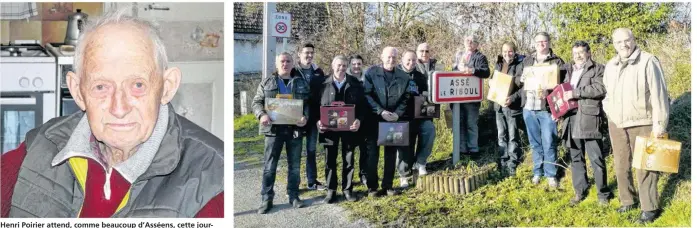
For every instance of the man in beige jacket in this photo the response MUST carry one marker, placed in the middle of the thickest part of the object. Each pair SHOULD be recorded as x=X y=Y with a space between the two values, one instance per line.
x=636 y=104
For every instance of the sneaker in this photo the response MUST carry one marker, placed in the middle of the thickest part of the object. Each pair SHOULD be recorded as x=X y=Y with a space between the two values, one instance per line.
x=647 y=216
x=265 y=207
x=297 y=203
x=391 y=192
x=422 y=170
x=317 y=186
x=373 y=193
x=552 y=183
x=536 y=180
x=364 y=180
x=603 y=202
x=329 y=199
x=403 y=182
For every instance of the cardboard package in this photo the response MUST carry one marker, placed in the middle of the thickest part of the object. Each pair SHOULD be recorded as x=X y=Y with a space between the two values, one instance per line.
x=283 y=111
x=500 y=88
x=425 y=109
x=540 y=77
x=556 y=102
x=656 y=154
x=338 y=116
x=393 y=133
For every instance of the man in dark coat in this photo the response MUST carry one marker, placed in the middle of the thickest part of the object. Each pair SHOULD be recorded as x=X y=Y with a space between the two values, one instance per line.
x=386 y=93
x=581 y=127
x=509 y=117
x=340 y=87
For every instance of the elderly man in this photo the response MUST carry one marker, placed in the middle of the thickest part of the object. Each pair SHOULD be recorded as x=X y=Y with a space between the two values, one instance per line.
x=285 y=81
x=509 y=117
x=424 y=128
x=581 y=127
x=541 y=128
x=387 y=95
x=128 y=154
x=474 y=62
x=347 y=89
x=425 y=64
x=314 y=76
x=636 y=105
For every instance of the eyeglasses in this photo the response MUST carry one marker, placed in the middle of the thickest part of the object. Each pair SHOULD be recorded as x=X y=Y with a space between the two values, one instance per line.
x=423 y=51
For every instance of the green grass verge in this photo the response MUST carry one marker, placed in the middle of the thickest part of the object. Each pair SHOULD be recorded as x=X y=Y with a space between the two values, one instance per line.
x=511 y=201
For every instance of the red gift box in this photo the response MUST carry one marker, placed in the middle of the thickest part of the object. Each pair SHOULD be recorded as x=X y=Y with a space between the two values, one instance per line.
x=337 y=116
x=556 y=102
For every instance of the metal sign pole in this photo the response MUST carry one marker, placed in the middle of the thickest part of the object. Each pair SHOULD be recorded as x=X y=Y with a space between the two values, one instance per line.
x=269 y=41
x=456 y=133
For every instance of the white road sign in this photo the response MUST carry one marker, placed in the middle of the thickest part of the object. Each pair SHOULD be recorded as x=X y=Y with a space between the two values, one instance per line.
x=281 y=25
x=455 y=87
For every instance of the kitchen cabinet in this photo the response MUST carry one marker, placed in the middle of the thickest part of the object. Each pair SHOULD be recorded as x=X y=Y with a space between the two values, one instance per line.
x=172 y=11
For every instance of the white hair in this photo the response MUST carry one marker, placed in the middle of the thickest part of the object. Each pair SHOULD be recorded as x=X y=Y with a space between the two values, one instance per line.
x=625 y=30
x=119 y=17
x=339 y=58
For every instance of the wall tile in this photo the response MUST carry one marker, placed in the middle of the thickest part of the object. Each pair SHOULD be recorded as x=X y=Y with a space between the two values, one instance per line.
x=92 y=9
x=53 y=31
x=56 y=11
x=25 y=30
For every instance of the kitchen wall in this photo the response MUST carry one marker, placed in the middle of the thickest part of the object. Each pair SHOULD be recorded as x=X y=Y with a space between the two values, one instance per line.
x=50 y=23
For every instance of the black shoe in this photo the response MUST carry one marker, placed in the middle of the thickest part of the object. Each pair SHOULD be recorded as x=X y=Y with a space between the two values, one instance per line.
x=576 y=200
x=317 y=186
x=648 y=216
x=349 y=196
x=392 y=192
x=297 y=203
x=329 y=199
x=265 y=207
x=373 y=193
x=626 y=208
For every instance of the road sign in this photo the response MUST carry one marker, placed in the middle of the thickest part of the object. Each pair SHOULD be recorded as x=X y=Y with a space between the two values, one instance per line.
x=281 y=25
x=455 y=87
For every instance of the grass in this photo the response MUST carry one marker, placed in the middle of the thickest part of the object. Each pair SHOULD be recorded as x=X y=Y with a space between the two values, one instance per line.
x=511 y=201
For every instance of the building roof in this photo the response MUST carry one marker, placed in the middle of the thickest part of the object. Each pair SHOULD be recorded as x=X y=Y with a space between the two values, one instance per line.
x=248 y=22
x=307 y=18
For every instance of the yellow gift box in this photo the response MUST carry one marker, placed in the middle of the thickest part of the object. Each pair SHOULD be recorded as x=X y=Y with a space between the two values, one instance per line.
x=540 y=77
x=499 y=88
x=656 y=154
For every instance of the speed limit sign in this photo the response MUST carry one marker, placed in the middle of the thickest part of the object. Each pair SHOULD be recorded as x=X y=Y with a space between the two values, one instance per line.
x=281 y=23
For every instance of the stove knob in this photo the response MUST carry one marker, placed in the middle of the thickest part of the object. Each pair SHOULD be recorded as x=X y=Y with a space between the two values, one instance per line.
x=24 y=82
x=38 y=82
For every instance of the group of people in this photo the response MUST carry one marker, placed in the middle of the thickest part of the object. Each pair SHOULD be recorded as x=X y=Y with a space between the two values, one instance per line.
x=629 y=91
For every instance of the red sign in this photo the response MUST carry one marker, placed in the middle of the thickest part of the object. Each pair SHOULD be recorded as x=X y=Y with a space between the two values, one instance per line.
x=281 y=27
x=455 y=87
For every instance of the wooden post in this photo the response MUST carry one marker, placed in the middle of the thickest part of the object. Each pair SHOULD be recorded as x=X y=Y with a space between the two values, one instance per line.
x=243 y=102
x=468 y=185
x=456 y=181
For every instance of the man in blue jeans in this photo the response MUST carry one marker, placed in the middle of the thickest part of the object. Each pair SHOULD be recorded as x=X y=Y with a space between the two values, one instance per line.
x=541 y=128
x=314 y=76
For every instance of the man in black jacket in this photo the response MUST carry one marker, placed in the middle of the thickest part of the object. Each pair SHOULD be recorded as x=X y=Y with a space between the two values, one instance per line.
x=541 y=128
x=424 y=128
x=386 y=93
x=340 y=87
x=581 y=127
x=508 y=118
x=471 y=61
x=285 y=80
x=356 y=70
x=314 y=76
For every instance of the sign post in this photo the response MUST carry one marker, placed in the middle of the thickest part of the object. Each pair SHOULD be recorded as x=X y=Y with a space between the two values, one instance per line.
x=269 y=41
x=281 y=26
x=455 y=87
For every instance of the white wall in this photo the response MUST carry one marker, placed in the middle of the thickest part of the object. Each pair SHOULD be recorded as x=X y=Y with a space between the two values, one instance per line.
x=249 y=56
x=207 y=72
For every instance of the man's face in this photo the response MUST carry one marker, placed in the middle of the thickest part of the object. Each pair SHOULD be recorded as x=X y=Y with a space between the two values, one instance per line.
x=306 y=55
x=580 y=55
x=424 y=52
x=120 y=86
x=284 y=64
x=624 y=43
x=356 y=66
x=470 y=44
x=409 y=61
x=541 y=44
x=389 y=58
x=339 y=67
x=507 y=53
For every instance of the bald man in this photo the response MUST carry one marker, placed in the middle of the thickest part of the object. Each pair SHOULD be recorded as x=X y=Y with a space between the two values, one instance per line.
x=636 y=105
x=387 y=96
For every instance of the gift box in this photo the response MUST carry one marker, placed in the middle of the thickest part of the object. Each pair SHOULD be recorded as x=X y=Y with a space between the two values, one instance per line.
x=337 y=116
x=540 y=77
x=500 y=87
x=284 y=111
x=656 y=154
x=393 y=134
x=556 y=102
x=424 y=109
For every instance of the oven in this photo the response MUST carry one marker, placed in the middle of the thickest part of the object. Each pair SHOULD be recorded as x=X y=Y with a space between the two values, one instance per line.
x=66 y=105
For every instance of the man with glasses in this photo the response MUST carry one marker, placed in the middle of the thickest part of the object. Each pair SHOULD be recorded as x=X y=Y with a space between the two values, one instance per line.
x=425 y=64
